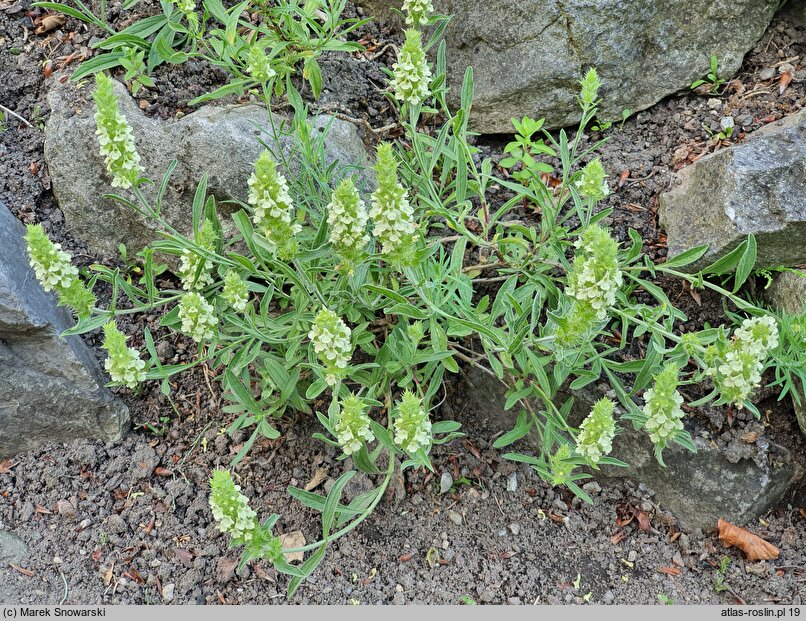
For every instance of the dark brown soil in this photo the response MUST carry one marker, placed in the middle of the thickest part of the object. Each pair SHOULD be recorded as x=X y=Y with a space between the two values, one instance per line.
x=129 y=523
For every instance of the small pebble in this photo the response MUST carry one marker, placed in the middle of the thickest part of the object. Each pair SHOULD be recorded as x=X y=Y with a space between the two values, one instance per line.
x=455 y=517
x=768 y=73
x=592 y=487
x=515 y=529
x=445 y=483
x=512 y=482
x=168 y=592
x=632 y=556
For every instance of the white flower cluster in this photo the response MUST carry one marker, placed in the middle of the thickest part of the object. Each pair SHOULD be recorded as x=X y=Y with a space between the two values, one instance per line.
x=198 y=317
x=597 y=431
x=331 y=342
x=662 y=407
x=347 y=218
x=417 y=12
x=738 y=370
x=128 y=369
x=188 y=268
x=353 y=427
x=596 y=277
x=391 y=211
x=53 y=268
x=412 y=426
x=274 y=208
x=123 y=363
x=235 y=292
x=115 y=136
x=230 y=507
x=412 y=78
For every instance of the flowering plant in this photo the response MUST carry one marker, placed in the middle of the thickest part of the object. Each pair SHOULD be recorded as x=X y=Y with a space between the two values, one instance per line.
x=357 y=315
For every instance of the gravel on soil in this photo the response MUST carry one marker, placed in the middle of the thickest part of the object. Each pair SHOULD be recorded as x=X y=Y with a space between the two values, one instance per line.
x=129 y=523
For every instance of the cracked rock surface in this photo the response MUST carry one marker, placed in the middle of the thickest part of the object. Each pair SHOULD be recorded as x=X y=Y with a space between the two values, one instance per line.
x=527 y=55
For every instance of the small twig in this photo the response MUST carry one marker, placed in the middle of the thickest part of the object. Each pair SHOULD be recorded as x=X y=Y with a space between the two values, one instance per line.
x=494 y=279
x=15 y=115
x=791 y=59
x=64 y=597
x=483 y=266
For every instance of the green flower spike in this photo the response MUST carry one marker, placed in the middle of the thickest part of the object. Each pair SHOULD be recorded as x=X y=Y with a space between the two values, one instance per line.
x=592 y=183
x=411 y=82
x=115 y=135
x=231 y=508
x=55 y=272
x=192 y=275
x=417 y=12
x=52 y=265
x=736 y=369
x=347 y=218
x=597 y=431
x=662 y=407
x=198 y=317
x=124 y=364
x=595 y=276
x=589 y=88
x=235 y=292
x=412 y=427
x=391 y=213
x=353 y=427
x=258 y=64
x=560 y=465
x=331 y=342
x=274 y=209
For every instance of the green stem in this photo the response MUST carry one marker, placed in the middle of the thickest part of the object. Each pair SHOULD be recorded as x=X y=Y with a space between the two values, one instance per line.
x=358 y=520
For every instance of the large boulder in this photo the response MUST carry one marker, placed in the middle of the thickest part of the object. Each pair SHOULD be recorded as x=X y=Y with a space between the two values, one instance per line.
x=788 y=293
x=738 y=475
x=222 y=141
x=527 y=55
x=758 y=187
x=51 y=388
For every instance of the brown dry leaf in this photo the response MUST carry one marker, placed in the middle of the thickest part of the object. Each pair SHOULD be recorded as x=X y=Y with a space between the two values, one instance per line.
x=750 y=437
x=42 y=510
x=754 y=547
x=625 y=174
x=643 y=521
x=695 y=295
x=318 y=478
x=185 y=557
x=49 y=22
x=163 y=472
x=6 y=465
x=22 y=570
x=294 y=539
x=802 y=513
x=786 y=78
x=669 y=571
x=108 y=574
x=618 y=537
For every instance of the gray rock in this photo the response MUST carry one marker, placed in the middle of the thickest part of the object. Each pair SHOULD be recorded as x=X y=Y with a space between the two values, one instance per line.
x=445 y=482
x=51 y=389
x=527 y=55
x=788 y=293
x=698 y=488
x=755 y=187
x=222 y=141
x=12 y=548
